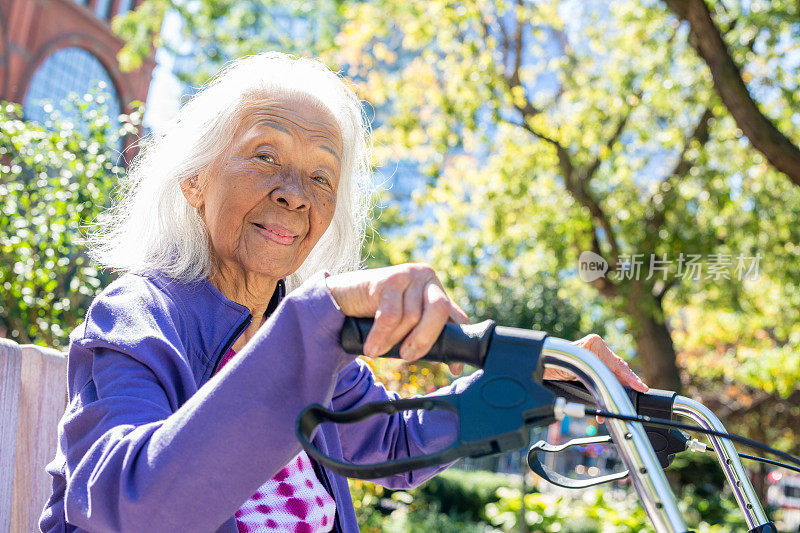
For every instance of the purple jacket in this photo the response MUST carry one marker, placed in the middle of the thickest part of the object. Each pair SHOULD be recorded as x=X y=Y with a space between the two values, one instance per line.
x=150 y=441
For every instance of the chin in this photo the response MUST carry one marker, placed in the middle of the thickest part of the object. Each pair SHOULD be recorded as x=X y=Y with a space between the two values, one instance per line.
x=267 y=267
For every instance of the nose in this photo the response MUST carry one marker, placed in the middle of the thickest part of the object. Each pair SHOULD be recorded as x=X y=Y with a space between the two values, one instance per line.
x=290 y=193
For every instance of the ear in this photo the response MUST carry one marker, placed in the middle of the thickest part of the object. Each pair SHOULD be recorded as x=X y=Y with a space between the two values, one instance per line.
x=192 y=191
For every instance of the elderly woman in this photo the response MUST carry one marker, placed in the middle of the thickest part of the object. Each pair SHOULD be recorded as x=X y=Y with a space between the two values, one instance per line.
x=239 y=234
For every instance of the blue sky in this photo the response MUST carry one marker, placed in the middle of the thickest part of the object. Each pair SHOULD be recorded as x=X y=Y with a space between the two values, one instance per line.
x=163 y=99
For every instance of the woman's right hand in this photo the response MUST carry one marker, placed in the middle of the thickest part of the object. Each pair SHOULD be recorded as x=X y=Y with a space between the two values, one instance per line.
x=407 y=301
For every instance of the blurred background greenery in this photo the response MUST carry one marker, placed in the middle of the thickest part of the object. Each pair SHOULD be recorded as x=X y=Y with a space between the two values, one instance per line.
x=510 y=137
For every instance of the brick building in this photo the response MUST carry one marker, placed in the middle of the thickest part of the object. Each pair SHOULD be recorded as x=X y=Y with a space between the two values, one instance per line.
x=50 y=48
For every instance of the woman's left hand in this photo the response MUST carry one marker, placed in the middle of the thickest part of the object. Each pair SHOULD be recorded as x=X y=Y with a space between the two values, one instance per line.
x=595 y=344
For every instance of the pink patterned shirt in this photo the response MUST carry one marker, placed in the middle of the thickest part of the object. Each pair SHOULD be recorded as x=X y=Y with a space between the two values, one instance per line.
x=293 y=500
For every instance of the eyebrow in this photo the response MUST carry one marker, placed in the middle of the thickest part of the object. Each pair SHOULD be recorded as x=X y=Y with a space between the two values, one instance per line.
x=274 y=125
x=328 y=149
x=278 y=127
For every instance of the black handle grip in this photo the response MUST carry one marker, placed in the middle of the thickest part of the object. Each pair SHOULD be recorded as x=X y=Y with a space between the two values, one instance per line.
x=456 y=344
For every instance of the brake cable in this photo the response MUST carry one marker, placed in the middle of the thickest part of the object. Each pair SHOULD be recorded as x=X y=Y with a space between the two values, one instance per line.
x=663 y=422
x=702 y=447
x=765 y=460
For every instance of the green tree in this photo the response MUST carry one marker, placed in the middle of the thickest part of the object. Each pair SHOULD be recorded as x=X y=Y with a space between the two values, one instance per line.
x=527 y=298
x=736 y=38
x=551 y=128
x=54 y=179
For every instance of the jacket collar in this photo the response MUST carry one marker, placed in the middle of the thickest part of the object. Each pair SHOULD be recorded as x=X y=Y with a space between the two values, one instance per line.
x=210 y=321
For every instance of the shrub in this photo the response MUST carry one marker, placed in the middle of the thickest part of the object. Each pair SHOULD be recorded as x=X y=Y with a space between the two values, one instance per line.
x=482 y=501
x=54 y=180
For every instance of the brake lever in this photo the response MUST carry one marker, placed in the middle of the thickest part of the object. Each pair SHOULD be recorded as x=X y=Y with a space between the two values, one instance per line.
x=676 y=440
x=494 y=412
x=544 y=471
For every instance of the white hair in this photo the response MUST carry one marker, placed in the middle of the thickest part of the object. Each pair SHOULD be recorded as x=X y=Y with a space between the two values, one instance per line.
x=152 y=227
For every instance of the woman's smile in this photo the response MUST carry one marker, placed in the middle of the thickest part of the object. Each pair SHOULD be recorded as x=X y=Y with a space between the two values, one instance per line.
x=276 y=233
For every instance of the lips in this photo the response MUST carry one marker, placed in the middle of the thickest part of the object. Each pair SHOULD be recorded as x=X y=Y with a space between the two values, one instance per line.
x=276 y=233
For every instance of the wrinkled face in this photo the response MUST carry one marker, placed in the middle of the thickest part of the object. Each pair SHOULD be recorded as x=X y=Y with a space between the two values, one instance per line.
x=269 y=199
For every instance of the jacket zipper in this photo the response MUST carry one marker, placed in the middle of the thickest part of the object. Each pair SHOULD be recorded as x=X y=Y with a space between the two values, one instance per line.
x=274 y=301
x=230 y=342
x=319 y=470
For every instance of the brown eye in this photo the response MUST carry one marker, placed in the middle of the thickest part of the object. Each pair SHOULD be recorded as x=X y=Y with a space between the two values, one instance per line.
x=268 y=158
x=321 y=179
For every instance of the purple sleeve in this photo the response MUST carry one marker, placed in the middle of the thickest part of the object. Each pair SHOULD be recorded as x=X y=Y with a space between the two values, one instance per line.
x=139 y=458
x=382 y=438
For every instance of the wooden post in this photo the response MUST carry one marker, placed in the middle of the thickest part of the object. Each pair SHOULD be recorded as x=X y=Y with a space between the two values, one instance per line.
x=10 y=374
x=33 y=396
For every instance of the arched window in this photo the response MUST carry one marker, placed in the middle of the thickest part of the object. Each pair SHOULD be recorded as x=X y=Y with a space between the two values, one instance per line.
x=65 y=72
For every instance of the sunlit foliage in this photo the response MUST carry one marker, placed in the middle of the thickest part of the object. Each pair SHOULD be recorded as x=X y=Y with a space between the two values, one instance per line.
x=54 y=180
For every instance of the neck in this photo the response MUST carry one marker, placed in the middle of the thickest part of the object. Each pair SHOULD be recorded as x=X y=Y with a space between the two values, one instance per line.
x=249 y=289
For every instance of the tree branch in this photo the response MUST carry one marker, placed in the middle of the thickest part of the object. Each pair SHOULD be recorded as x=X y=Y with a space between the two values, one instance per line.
x=517 y=46
x=566 y=49
x=592 y=168
x=574 y=185
x=513 y=79
x=603 y=284
x=681 y=168
x=539 y=135
x=581 y=193
x=762 y=133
